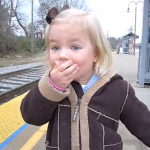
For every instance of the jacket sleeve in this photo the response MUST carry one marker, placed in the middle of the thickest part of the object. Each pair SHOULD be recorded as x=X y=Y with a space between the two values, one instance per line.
x=136 y=116
x=38 y=106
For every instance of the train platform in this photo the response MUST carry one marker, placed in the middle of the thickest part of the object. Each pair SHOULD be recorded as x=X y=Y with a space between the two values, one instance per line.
x=15 y=134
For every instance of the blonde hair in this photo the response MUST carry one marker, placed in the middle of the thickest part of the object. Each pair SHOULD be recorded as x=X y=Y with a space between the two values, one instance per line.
x=85 y=21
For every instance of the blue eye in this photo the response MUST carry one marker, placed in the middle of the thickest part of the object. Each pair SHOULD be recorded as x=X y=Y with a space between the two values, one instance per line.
x=75 y=48
x=55 y=48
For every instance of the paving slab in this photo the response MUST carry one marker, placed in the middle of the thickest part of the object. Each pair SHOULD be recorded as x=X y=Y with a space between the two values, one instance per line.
x=22 y=138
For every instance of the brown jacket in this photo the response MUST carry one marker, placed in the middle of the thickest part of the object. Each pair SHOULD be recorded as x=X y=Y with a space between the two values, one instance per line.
x=109 y=100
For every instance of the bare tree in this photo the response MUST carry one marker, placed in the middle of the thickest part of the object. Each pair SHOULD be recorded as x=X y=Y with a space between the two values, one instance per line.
x=6 y=28
x=16 y=6
x=10 y=15
x=7 y=17
x=3 y=16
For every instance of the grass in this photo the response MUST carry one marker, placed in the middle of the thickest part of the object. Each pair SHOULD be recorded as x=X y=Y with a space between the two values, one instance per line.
x=20 y=59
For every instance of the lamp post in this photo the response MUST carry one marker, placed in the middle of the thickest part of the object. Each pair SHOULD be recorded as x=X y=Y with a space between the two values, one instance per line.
x=128 y=10
x=32 y=26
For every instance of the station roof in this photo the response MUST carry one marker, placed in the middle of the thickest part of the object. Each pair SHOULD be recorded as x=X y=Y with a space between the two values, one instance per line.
x=130 y=35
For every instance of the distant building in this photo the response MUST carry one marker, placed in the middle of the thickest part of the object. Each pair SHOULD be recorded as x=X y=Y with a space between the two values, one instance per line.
x=128 y=42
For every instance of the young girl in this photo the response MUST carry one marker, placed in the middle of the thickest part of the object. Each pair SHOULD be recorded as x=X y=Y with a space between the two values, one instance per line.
x=80 y=95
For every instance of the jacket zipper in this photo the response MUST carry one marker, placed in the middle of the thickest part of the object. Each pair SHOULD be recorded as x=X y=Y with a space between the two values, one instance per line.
x=76 y=111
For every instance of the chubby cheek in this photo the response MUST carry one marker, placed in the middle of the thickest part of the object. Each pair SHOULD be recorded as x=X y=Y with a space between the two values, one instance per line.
x=51 y=60
x=84 y=66
x=85 y=63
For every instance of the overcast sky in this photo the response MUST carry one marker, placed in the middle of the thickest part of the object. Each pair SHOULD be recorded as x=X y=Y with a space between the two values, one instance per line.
x=114 y=17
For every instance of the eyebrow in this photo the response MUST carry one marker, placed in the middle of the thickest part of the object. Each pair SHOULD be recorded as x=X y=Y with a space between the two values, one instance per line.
x=71 y=40
x=53 y=40
x=75 y=39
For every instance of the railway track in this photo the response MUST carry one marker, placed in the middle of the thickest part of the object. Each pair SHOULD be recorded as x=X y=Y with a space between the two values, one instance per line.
x=17 y=82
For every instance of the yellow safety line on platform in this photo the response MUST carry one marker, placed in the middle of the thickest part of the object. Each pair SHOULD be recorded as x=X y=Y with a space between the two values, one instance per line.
x=35 y=138
x=10 y=117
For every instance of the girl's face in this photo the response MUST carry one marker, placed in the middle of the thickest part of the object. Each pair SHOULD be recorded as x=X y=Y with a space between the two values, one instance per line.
x=66 y=44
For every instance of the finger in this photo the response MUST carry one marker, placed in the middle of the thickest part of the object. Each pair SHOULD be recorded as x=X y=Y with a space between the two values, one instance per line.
x=73 y=74
x=64 y=66
x=71 y=77
x=56 y=64
x=69 y=70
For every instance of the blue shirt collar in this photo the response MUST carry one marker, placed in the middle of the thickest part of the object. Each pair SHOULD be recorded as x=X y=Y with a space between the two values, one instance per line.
x=91 y=82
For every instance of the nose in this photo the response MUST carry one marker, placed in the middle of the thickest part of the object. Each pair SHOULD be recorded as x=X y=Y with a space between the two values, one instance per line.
x=64 y=55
